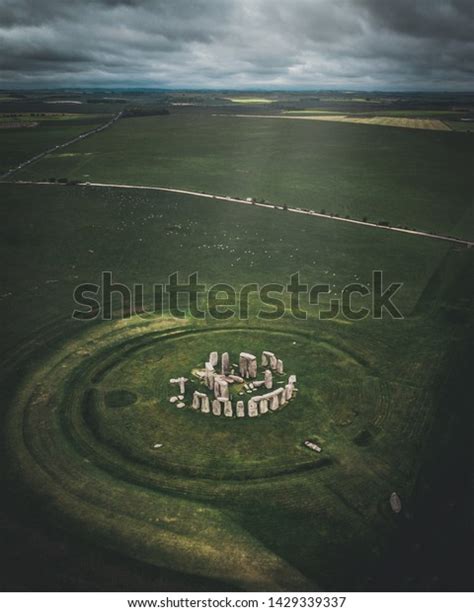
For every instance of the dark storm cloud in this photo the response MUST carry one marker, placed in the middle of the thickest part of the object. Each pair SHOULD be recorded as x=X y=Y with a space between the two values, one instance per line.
x=238 y=43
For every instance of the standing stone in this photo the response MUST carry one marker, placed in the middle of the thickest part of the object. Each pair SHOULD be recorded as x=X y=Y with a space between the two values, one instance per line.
x=248 y=365
x=210 y=375
x=268 y=379
x=224 y=389
x=282 y=396
x=273 y=361
x=182 y=384
x=292 y=379
x=213 y=358
x=181 y=381
x=221 y=387
x=210 y=380
x=225 y=363
x=274 y=402
x=279 y=367
x=252 y=367
x=228 y=408
x=196 y=400
x=288 y=391
x=205 y=405
x=216 y=408
x=263 y=406
x=252 y=408
x=242 y=366
x=268 y=358
x=240 y=408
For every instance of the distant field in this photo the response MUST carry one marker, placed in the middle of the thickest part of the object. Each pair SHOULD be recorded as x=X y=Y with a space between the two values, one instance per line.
x=385 y=112
x=17 y=144
x=399 y=122
x=461 y=126
x=309 y=111
x=417 y=178
x=8 y=117
x=250 y=100
x=149 y=235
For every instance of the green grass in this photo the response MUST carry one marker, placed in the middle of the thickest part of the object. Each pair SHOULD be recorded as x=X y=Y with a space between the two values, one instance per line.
x=19 y=144
x=461 y=126
x=91 y=463
x=45 y=116
x=405 y=177
x=144 y=236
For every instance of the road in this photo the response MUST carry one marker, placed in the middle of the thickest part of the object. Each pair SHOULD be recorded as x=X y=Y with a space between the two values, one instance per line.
x=289 y=209
x=39 y=156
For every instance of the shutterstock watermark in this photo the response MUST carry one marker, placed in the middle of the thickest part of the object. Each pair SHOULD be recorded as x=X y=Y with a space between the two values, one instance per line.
x=181 y=298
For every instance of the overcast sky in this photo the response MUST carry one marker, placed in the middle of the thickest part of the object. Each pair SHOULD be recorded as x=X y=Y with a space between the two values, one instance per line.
x=301 y=44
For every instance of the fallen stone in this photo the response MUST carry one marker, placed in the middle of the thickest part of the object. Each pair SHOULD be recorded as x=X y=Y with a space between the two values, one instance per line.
x=236 y=379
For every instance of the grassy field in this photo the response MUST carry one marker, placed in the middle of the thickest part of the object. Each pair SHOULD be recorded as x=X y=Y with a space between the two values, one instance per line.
x=51 y=117
x=20 y=143
x=250 y=100
x=193 y=508
x=397 y=122
x=416 y=178
x=422 y=113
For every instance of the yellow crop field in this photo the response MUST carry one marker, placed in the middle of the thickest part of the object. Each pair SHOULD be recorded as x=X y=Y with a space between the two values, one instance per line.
x=400 y=122
x=250 y=100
